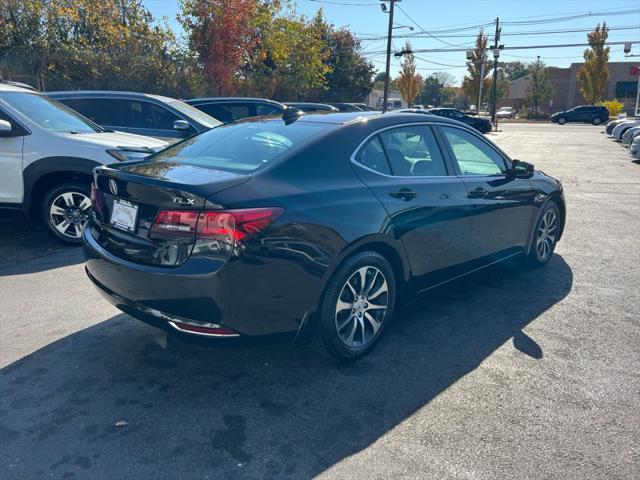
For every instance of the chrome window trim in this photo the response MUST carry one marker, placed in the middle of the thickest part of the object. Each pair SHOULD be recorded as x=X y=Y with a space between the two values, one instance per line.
x=353 y=160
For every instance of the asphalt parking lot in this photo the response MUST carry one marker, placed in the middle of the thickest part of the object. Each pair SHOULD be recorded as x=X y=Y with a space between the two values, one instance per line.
x=509 y=373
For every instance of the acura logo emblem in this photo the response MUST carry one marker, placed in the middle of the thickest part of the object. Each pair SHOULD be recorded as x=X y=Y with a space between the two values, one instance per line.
x=113 y=186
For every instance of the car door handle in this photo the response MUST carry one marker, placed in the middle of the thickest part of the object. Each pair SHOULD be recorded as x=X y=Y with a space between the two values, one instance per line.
x=404 y=194
x=478 y=193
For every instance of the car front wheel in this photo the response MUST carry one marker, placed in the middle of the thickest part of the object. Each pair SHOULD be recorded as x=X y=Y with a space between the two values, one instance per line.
x=545 y=235
x=356 y=306
x=65 y=210
x=597 y=121
x=562 y=121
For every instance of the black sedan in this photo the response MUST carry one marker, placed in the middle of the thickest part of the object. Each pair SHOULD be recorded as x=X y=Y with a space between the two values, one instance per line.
x=314 y=224
x=481 y=124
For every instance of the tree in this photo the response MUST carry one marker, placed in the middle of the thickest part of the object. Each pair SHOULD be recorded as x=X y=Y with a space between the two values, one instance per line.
x=350 y=74
x=540 y=88
x=471 y=82
x=409 y=82
x=221 y=32
x=514 y=70
x=502 y=87
x=593 y=75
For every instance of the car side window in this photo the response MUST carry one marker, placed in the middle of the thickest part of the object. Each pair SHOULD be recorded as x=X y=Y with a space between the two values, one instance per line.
x=372 y=156
x=413 y=152
x=474 y=156
x=265 y=109
x=149 y=115
x=103 y=111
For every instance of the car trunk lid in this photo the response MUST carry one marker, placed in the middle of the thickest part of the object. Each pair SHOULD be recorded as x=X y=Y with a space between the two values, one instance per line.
x=128 y=201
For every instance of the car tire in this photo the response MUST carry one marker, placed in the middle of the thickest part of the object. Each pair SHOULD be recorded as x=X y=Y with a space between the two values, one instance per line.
x=597 y=121
x=545 y=235
x=562 y=121
x=65 y=210
x=352 y=316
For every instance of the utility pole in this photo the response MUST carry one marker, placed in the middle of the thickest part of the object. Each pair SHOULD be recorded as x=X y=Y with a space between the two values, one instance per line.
x=385 y=97
x=496 y=53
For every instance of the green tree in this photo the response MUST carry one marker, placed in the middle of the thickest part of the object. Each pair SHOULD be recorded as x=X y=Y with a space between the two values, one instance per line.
x=471 y=82
x=409 y=82
x=514 y=70
x=502 y=86
x=593 y=75
x=540 y=88
x=350 y=77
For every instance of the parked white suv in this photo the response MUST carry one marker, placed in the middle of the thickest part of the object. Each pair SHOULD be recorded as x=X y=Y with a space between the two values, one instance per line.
x=47 y=153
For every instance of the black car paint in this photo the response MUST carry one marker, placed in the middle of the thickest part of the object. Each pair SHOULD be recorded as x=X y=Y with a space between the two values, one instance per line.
x=582 y=114
x=481 y=124
x=210 y=104
x=333 y=208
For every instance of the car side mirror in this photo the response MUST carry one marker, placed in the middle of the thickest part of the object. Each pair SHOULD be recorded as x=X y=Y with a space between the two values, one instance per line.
x=6 y=129
x=521 y=169
x=181 y=125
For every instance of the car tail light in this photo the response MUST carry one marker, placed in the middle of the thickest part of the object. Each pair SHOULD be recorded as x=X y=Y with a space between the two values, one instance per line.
x=175 y=223
x=96 y=198
x=227 y=226
x=235 y=225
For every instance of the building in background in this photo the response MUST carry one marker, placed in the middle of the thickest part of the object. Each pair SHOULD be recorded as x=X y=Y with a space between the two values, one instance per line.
x=622 y=84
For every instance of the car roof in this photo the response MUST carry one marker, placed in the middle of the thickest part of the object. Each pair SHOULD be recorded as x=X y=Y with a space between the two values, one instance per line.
x=192 y=101
x=106 y=94
x=384 y=119
x=310 y=104
x=11 y=87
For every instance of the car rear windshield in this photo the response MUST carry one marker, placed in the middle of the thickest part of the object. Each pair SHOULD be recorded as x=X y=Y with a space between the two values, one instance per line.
x=241 y=147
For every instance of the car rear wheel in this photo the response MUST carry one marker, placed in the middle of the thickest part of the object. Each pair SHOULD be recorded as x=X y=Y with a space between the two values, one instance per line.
x=562 y=121
x=545 y=235
x=357 y=306
x=597 y=121
x=65 y=210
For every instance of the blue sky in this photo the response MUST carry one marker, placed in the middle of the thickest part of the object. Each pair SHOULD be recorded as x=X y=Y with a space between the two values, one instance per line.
x=366 y=19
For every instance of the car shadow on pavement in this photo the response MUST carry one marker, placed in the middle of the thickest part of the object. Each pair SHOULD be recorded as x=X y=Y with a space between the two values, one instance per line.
x=27 y=247
x=114 y=401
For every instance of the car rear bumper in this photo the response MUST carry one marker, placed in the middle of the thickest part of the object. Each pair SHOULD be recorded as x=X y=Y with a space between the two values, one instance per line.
x=264 y=298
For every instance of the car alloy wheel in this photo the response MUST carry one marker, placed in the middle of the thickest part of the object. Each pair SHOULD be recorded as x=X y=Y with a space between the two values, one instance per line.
x=65 y=210
x=597 y=121
x=546 y=234
x=361 y=306
x=562 y=121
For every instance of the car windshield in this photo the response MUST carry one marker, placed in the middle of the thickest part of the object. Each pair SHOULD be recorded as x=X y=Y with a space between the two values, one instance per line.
x=198 y=115
x=241 y=147
x=49 y=113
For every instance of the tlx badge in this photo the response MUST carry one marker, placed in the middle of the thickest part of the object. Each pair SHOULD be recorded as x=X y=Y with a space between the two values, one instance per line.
x=183 y=201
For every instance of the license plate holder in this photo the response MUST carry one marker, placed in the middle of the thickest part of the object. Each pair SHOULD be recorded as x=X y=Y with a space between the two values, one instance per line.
x=124 y=215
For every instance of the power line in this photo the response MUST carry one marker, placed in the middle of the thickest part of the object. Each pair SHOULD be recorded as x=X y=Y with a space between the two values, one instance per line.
x=430 y=35
x=525 y=33
x=350 y=4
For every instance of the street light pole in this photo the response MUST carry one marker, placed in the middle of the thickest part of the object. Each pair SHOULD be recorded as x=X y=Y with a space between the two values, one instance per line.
x=385 y=97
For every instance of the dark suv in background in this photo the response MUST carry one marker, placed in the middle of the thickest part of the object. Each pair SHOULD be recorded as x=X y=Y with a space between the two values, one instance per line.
x=583 y=114
x=230 y=109
x=140 y=113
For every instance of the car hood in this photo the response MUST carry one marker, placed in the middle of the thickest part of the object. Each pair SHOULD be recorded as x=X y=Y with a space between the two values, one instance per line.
x=117 y=140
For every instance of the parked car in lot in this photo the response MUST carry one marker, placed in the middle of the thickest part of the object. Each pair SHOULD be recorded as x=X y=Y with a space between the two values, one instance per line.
x=140 y=113
x=481 y=124
x=352 y=107
x=634 y=148
x=621 y=128
x=608 y=129
x=47 y=152
x=506 y=112
x=309 y=107
x=583 y=114
x=630 y=134
x=273 y=227
x=230 y=109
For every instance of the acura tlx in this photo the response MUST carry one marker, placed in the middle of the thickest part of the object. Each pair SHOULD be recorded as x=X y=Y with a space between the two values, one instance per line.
x=278 y=228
